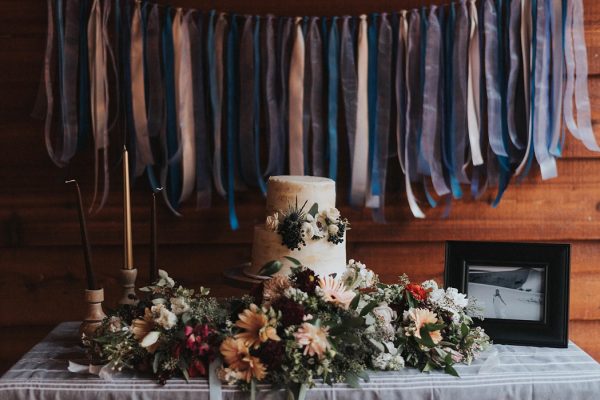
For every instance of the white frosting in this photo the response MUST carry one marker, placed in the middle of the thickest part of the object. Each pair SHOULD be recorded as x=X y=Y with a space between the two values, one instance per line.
x=321 y=256
x=284 y=190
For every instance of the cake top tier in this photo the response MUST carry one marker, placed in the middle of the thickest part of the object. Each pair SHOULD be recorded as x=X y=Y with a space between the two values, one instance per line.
x=285 y=189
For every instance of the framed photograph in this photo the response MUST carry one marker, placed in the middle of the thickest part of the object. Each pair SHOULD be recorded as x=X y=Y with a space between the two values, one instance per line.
x=522 y=287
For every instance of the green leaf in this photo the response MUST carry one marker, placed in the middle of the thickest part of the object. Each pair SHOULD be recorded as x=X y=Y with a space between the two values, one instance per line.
x=295 y=261
x=378 y=345
x=314 y=210
x=368 y=308
x=364 y=375
x=428 y=367
x=425 y=338
x=449 y=369
x=464 y=330
x=270 y=268
x=410 y=299
x=434 y=327
x=352 y=380
x=354 y=302
x=156 y=363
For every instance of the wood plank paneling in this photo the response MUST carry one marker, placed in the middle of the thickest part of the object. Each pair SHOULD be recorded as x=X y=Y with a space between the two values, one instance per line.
x=40 y=261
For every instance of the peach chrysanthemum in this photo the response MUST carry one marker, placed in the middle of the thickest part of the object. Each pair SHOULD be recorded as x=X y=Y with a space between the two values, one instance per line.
x=334 y=291
x=257 y=326
x=240 y=362
x=422 y=317
x=313 y=338
x=273 y=288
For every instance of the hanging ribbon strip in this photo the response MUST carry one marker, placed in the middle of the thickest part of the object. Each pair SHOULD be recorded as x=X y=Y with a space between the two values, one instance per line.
x=144 y=153
x=480 y=91
x=360 y=158
x=296 y=100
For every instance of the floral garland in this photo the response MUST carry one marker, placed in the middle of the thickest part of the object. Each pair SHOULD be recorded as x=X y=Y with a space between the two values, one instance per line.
x=296 y=225
x=293 y=330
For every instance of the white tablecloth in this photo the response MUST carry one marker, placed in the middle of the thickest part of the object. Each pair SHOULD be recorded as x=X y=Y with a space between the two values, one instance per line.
x=504 y=372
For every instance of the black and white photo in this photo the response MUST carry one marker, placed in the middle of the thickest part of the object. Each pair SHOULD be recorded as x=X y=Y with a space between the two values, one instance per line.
x=508 y=292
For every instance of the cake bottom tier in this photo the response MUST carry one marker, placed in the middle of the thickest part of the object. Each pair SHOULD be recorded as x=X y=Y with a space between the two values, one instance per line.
x=321 y=256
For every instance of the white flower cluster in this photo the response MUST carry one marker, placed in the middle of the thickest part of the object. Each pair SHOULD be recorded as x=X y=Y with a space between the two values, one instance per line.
x=358 y=276
x=388 y=362
x=296 y=294
x=179 y=305
x=321 y=225
x=163 y=317
x=450 y=300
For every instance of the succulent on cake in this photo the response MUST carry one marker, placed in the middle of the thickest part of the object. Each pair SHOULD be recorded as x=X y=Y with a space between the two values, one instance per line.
x=296 y=226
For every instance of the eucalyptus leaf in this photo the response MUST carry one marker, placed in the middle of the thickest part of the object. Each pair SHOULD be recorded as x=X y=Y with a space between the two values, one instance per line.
x=314 y=210
x=368 y=308
x=352 y=380
x=435 y=327
x=294 y=261
x=270 y=268
x=378 y=345
x=464 y=330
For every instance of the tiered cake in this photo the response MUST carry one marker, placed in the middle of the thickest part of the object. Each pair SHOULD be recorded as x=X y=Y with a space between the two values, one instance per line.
x=321 y=232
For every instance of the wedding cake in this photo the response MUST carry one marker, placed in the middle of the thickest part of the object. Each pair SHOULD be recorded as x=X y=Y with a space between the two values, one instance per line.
x=302 y=225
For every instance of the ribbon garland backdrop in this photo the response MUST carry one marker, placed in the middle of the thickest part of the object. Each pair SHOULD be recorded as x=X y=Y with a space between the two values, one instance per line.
x=470 y=88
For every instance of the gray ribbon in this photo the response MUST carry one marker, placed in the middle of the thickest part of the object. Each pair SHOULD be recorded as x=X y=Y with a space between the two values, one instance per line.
x=413 y=102
x=273 y=121
x=315 y=96
x=246 y=134
x=68 y=85
x=384 y=103
x=492 y=81
x=156 y=106
x=514 y=38
x=285 y=55
x=460 y=59
x=349 y=82
x=431 y=123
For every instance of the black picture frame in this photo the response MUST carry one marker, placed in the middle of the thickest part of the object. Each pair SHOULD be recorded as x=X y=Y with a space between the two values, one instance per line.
x=553 y=260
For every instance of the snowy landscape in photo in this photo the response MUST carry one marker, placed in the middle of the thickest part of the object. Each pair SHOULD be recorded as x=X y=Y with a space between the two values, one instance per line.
x=508 y=292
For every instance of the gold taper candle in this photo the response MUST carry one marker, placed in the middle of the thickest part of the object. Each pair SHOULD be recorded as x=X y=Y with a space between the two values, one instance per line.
x=127 y=246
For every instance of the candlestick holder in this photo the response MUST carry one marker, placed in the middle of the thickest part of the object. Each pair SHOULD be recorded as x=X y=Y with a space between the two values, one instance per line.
x=94 y=313
x=127 y=279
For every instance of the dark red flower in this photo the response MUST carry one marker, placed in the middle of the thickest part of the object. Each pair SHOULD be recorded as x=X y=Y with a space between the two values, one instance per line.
x=257 y=293
x=197 y=338
x=197 y=368
x=272 y=354
x=292 y=313
x=306 y=280
x=417 y=291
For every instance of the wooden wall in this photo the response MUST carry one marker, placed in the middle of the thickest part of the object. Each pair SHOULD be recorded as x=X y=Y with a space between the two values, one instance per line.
x=41 y=279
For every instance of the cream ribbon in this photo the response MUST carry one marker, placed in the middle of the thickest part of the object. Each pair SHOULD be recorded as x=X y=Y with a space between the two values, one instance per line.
x=360 y=164
x=184 y=96
x=140 y=118
x=296 y=100
x=473 y=89
x=402 y=46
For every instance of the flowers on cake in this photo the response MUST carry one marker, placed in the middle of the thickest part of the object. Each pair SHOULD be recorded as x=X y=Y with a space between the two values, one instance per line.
x=293 y=330
x=297 y=225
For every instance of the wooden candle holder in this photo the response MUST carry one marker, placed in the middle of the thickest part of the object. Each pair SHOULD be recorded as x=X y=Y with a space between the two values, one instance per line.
x=94 y=313
x=127 y=279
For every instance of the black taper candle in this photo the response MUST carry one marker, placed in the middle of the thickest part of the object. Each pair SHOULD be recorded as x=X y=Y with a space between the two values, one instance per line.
x=87 y=253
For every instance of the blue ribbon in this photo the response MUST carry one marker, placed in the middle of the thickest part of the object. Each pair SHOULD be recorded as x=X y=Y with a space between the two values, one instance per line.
x=372 y=101
x=256 y=50
x=333 y=50
x=84 y=78
x=450 y=121
x=531 y=87
x=232 y=115
x=174 y=168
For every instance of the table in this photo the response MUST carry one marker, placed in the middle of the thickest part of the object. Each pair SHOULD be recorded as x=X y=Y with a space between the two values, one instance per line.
x=504 y=372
